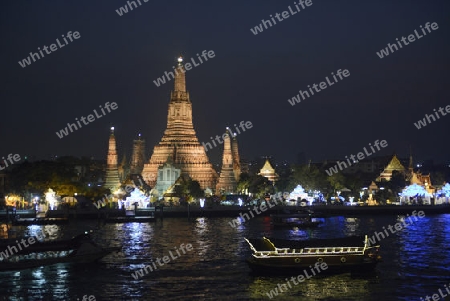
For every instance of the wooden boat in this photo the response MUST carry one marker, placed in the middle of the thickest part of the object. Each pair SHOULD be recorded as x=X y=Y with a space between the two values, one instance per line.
x=302 y=221
x=297 y=256
x=79 y=249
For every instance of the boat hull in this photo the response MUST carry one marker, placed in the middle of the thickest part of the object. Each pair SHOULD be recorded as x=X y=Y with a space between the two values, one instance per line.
x=28 y=264
x=80 y=249
x=296 y=265
x=295 y=257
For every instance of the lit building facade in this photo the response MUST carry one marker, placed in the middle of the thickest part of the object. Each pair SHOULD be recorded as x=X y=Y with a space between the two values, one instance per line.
x=180 y=142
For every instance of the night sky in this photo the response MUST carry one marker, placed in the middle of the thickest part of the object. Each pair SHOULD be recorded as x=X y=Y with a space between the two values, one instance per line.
x=251 y=77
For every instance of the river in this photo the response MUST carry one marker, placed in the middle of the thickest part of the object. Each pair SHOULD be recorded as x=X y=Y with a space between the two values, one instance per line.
x=416 y=262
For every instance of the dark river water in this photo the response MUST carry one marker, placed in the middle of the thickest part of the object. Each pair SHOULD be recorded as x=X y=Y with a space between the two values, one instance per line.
x=416 y=262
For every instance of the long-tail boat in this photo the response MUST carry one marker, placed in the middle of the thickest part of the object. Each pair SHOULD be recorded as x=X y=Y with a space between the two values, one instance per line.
x=292 y=256
x=79 y=249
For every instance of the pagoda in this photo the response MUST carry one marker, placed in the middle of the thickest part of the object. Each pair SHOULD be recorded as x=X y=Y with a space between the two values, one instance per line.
x=227 y=182
x=236 y=158
x=112 y=181
x=138 y=157
x=179 y=142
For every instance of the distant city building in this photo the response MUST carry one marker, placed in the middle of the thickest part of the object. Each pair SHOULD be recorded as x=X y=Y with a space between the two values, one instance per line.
x=112 y=181
x=180 y=142
x=2 y=183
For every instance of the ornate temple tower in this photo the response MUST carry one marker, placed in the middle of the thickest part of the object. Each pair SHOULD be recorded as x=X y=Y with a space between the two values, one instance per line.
x=394 y=165
x=112 y=174
x=180 y=141
x=236 y=158
x=138 y=156
x=227 y=181
x=269 y=172
x=123 y=169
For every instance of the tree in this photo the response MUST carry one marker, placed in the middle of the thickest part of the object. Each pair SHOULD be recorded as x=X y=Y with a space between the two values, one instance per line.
x=437 y=178
x=337 y=181
x=244 y=182
x=310 y=177
x=397 y=182
x=260 y=185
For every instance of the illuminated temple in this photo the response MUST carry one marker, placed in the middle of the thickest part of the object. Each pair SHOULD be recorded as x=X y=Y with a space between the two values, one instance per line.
x=227 y=181
x=179 y=143
x=112 y=180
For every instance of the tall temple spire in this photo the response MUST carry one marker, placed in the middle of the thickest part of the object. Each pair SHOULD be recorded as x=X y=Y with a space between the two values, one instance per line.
x=236 y=158
x=138 y=156
x=180 y=78
x=112 y=181
x=411 y=166
x=227 y=181
x=180 y=141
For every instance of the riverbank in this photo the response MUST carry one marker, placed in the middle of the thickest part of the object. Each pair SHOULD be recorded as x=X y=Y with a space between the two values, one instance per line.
x=231 y=211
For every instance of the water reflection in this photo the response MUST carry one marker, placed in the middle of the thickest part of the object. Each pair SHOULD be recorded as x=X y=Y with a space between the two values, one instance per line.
x=416 y=261
x=337 y=287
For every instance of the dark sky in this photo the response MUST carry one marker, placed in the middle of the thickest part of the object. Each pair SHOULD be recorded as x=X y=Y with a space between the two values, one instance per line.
x=250 y=78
